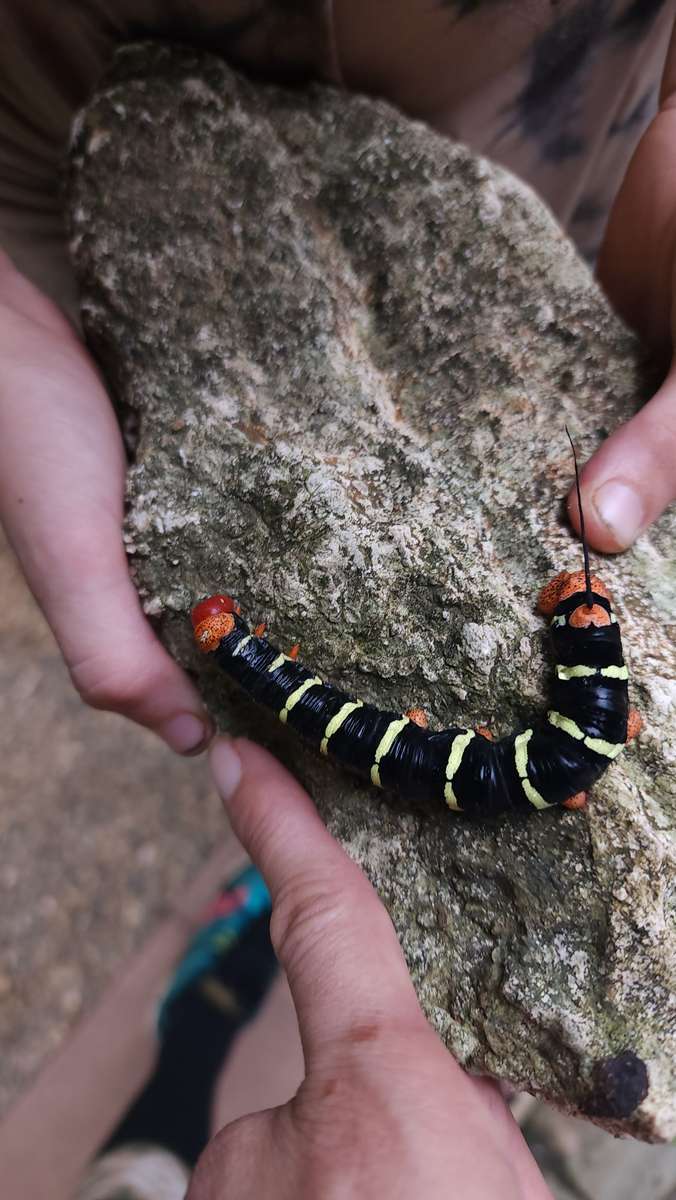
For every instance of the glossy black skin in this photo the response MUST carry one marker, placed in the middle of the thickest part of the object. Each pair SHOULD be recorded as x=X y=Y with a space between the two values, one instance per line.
x=487 y=782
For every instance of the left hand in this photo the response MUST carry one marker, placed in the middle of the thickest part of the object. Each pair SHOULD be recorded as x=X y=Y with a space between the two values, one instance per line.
x=384 y=1110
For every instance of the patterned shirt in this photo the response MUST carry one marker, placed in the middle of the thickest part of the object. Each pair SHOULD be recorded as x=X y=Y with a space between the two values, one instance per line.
x=559 y=91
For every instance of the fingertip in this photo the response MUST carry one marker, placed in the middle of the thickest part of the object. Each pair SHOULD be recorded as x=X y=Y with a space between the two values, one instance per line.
x=630 y=480
x=118 y=664
x=272 y=815
x=617 y=514
x=186 y=733
x=226 y=768
x=598 y=521
x=248 y=777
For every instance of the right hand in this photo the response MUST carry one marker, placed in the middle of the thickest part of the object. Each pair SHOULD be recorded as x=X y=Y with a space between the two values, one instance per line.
x=62 y=469
x=383 y=1111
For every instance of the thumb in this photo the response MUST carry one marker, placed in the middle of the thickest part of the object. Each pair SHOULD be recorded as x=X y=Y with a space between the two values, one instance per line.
x=632 y=478
x=331 y=933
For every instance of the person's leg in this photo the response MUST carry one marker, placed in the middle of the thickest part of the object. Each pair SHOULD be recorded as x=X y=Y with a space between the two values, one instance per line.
x=266 y=1065
x=216 y=990
x=77 y=1099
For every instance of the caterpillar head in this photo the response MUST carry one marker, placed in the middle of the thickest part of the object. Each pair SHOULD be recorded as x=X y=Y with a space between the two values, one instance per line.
x=569 y=583
x=212 y=619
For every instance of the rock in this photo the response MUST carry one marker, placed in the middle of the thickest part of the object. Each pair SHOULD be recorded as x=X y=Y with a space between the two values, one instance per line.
x=344 y=350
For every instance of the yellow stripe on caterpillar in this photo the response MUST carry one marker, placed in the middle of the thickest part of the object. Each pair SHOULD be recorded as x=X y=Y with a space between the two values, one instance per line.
x=521 y=763
x=609 y=749
x=385 y=745
x=598 y=745
x=295 y=697
x=458 y=746
x=278 y=662
x=336 y=722
x=582 y=671
x=240 y=646
x=615 y=672
x=566 y=724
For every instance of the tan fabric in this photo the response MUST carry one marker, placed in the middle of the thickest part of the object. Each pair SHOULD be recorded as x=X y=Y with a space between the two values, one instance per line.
x=558 y=92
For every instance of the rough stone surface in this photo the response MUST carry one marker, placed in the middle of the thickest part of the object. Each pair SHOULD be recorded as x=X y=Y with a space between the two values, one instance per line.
x=344 y=350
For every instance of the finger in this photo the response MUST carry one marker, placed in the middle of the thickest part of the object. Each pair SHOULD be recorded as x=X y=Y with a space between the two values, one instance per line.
x=61 y=486
x=331 y=933
x=632 y=478
x=116 y=662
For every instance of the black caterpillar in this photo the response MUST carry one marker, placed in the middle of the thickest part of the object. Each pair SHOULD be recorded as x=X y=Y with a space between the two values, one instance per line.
x=551 y=762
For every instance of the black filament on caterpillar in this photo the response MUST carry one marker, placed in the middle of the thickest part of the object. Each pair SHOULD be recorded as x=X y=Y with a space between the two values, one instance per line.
x=552 y=761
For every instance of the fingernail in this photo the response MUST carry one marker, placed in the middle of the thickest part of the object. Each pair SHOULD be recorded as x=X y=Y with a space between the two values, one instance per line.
x=186 y=733
x=227 y=768
x=620 y=508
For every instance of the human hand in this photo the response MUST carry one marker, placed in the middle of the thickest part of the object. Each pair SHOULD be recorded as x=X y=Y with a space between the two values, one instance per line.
x=384 y=1110
x=62 y=473
x=632 y=477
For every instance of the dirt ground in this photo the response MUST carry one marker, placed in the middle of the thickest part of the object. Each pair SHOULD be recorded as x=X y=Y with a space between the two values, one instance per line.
x=100 y=826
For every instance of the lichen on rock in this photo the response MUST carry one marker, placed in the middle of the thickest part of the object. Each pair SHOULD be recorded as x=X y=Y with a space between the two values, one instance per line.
x=348 y=348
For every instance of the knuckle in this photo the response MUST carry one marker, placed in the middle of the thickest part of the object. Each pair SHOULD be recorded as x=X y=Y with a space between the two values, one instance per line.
x=108 y=685
x=308 y=913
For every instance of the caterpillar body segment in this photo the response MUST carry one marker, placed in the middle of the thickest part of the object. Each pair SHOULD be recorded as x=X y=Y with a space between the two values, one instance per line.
x=552 y=761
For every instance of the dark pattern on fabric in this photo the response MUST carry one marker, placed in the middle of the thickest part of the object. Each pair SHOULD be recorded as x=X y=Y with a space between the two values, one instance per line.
x=637 y=16
x=548 y=109
x=465 y=8
x=638 y=115
x=588 y=209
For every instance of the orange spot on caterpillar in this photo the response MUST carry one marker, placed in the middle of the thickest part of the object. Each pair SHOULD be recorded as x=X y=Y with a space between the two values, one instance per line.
x=583 y=617
x=293 y=652
x=548 y=597
x=579 y=800
x=211 y=607
x=484 y=732
x=566 y=584
x=209 y=632
x=634 y=723
x=576 y=582
x=418 y=716
x=260 y=629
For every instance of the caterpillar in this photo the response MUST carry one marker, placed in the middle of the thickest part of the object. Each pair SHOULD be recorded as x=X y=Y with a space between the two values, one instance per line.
x=554 y=760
